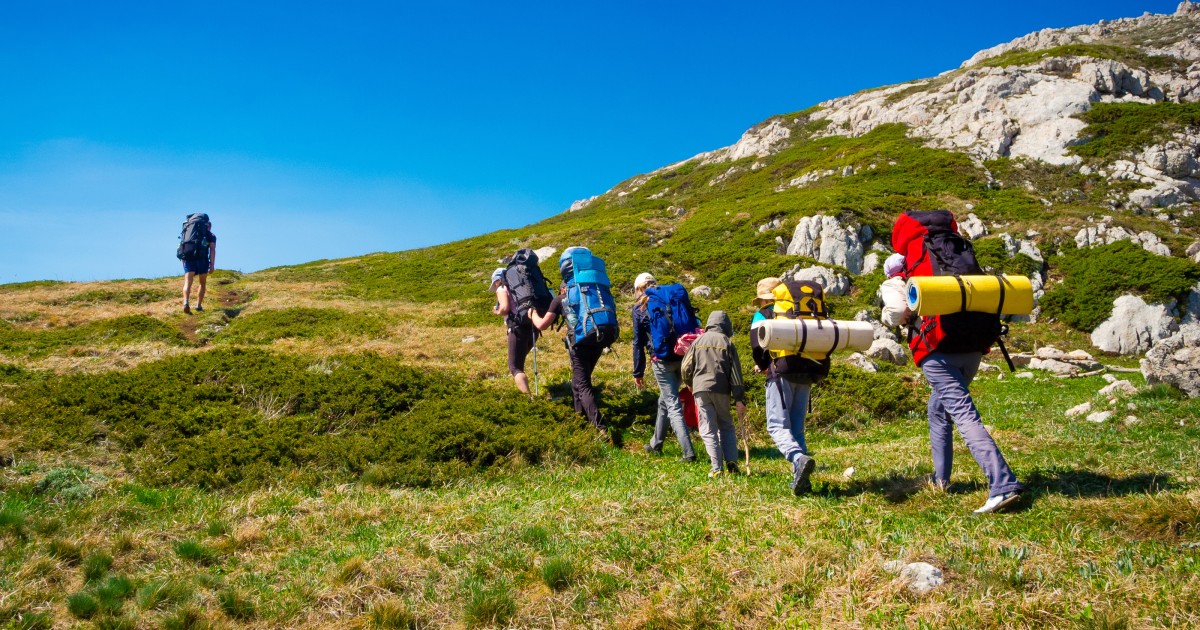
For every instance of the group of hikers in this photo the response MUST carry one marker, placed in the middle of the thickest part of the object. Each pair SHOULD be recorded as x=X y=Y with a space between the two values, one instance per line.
x=699 y=366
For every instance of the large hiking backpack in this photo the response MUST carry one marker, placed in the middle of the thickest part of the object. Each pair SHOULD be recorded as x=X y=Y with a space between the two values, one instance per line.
x=799 y=299
x=193 y=238
x=671 y=315
x=527 y=287
x=590 y=310
x=932 y=246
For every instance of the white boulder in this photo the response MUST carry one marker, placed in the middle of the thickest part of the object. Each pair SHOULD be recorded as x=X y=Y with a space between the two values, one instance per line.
x=1176 y=361
x=833 y=283
x=1134 y=326
x=825 y=239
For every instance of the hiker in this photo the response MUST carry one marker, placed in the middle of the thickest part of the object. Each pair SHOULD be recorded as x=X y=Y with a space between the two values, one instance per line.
x=948 y=349
x=713 y=372
x=790 y=378
x=895 y=306
x=586 y=304
x=521 y=333
x=198 y=251
x=665 y=366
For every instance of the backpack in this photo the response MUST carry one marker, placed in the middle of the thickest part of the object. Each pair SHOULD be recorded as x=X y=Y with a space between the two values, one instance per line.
x=590 y=310
x=671 y=315
x=193 y=239
x=932 y=246
x=799 y=299
x=527 y=287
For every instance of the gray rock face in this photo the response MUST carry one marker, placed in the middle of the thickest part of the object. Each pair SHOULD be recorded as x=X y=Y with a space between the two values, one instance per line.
x=1134 y=326
x=1118 y=388
x=1101 y=234
x=546 y=254
x=1062 y=368
x=833 y=283
x=880 y=331
x=889 y=351
x=972 y=227
x=1193 y=252
x=922 y=577
x=861 y=362
x=1191 y=309
x=1175 y=361
x=702 y=291
x=825 y=239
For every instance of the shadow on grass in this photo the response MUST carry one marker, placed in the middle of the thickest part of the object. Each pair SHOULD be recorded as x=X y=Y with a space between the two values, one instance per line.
x=893 y=488
x=1090 y=484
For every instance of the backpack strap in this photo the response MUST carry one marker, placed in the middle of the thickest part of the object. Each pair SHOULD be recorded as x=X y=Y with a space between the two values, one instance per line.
x=835 y=334
x=1000 y=304
x=1004 y=350
x=962 y=292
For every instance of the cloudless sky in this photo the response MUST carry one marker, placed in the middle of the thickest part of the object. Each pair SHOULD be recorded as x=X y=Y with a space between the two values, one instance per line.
x=313 y=130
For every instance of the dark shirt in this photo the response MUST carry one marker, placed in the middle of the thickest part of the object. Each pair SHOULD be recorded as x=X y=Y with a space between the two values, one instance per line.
x=641 y=339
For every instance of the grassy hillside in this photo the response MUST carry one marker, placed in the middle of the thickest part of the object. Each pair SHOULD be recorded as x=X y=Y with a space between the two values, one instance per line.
x=338 y=444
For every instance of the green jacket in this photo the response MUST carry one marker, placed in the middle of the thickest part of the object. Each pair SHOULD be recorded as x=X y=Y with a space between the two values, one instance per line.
x=711 y=364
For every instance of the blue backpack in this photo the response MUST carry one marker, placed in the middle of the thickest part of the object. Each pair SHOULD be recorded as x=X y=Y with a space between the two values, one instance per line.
x=590 y=310
x=671 y=315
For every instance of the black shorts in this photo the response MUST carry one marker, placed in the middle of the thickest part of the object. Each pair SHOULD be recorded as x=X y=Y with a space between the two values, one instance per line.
x=520 y=341
x=195 y=265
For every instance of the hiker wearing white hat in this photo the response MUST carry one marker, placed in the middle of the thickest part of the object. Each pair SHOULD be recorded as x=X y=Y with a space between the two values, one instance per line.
x=665 y=365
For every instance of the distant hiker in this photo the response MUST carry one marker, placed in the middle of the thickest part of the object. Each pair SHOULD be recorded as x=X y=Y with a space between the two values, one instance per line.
x=948 y=349
x=660 y=315
x=895 y=306
x=790 y=375
x=521 y=333
x=713 y=372
x=585 y=303
x=198 y=251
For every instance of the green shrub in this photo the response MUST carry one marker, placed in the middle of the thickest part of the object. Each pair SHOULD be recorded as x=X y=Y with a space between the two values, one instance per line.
x=1093 y=278
x=109 y=332
x=994 y=258
x=1118 y=130
x=850 y=398
x=302 y=323
x=1128 y=56
x=115 y=296
x=70 y=483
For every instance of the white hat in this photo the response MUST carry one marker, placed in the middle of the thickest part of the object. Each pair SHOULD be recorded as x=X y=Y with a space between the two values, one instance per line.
x=496 y=276
x=643 y=280
x=893 y=265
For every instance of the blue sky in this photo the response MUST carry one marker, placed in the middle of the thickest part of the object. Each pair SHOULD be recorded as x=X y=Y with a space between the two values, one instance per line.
x=315 y=130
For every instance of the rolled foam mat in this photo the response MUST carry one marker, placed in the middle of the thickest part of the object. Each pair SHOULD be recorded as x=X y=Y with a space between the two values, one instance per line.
x=942 y=295
x=815 y=338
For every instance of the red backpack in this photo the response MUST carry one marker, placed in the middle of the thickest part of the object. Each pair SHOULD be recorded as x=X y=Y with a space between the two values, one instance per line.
x=932 y=246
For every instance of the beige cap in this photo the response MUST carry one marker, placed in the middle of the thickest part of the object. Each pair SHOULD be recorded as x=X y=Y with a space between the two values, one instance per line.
x=643 y=280
x=764 y=290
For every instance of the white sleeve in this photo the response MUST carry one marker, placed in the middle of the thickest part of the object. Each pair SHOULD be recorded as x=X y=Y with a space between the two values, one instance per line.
x=894 y=304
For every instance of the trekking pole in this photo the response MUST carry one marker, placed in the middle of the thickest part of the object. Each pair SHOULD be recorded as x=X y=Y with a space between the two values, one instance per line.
x=535 y=372
x=746 y=436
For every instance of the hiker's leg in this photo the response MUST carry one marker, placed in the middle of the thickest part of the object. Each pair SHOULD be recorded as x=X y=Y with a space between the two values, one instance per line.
x=798 y=411
x=583 y=362
x=726 y=430
x=707 y=410
x=203 y=278
x=520 y=342
x=949 y=375
x=779 y=421
x=187 y=286
x=668 y=377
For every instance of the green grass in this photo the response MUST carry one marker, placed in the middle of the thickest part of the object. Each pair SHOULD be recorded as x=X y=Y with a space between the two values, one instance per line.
x=302 y=323
x=1120 y=130
x=115 y=296
x=1126 y=55
x=122 y=330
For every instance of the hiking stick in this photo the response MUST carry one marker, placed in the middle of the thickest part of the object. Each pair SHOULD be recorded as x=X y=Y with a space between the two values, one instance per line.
x=746 y=437
x=535 y=373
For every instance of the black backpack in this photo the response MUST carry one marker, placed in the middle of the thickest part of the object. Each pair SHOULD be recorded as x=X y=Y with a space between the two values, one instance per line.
x=527 y=287
x=193 y=239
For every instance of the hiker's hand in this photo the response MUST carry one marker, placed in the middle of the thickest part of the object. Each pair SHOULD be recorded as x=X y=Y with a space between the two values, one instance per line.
x=907 y=317
x=639 y=382
x=741 y=410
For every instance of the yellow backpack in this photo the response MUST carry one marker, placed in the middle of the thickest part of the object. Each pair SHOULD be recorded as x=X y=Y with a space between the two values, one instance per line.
x=799 y=299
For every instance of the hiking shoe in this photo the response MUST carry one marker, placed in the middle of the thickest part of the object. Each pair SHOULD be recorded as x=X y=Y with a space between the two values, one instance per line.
x=688 y=460
x=713 y=474
x=187 y=309
x=998 y=502
x=654 y=450
x=801 y=469
x=732 y=468
x=199 y=308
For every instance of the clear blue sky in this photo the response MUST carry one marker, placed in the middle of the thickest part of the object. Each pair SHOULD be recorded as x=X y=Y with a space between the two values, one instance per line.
x=320 y=130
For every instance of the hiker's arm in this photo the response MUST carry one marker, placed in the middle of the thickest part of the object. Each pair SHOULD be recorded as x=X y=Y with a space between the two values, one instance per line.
x=895 y=307
x=212 y=256
x=758 y=354
x=501 y=307
x=542 y=322
x=736 y=385
x=639 y=349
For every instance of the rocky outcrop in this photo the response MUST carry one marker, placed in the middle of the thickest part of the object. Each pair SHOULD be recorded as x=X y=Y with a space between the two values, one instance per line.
x=972 y=227
x=1175 y=361
x=889 y=351
x=825 y=239
x=833 y=283
x=1134 y=326
x=1102 y=234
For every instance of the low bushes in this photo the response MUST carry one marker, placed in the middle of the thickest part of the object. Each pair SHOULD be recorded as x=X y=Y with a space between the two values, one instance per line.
x=302 y=323
x=116 y=331
x=1094 y=277
x=249 y=417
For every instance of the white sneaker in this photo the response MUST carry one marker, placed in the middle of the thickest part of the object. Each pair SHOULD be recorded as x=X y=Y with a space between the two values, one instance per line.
x=998 y=502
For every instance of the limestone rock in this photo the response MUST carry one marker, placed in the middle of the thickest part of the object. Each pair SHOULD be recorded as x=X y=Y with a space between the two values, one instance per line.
x=880 y=331
x=1191 y=309
x=1062 y=368
x=861 y=362
x=1193 y=252
x=1118 y=388
x=972 y=227
x=1102 y=234
x=1099 y=416
x=888 y=350
x=833 y=283
x=1134 y=326
x=1079 y=410
x=545 y=253
x=702 y=291
x=922 y=577
x=826 y=240
x=1024 y=375
x=1176 y=361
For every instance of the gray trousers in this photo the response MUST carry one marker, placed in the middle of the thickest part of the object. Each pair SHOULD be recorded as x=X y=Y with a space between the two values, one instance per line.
x=950 y=405
x=670 y=410
x=716 y=428
x=787 y=406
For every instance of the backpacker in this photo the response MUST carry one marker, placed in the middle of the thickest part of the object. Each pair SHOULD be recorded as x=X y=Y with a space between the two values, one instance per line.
x=527 y=287
x=932 y=246
x=193 y=239
x=671 y=315
x=799 y=299
x=590 y=310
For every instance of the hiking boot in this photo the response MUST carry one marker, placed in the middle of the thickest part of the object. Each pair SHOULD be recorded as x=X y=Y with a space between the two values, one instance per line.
x=998 y=502
x=732 y=468
x=713 y=474
x=688 y=460
x=654 y=450
x=187 y=309
x=199 y=308
x=801 y=469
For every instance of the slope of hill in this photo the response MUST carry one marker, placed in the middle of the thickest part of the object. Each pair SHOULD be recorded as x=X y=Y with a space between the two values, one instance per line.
x=337 y=444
